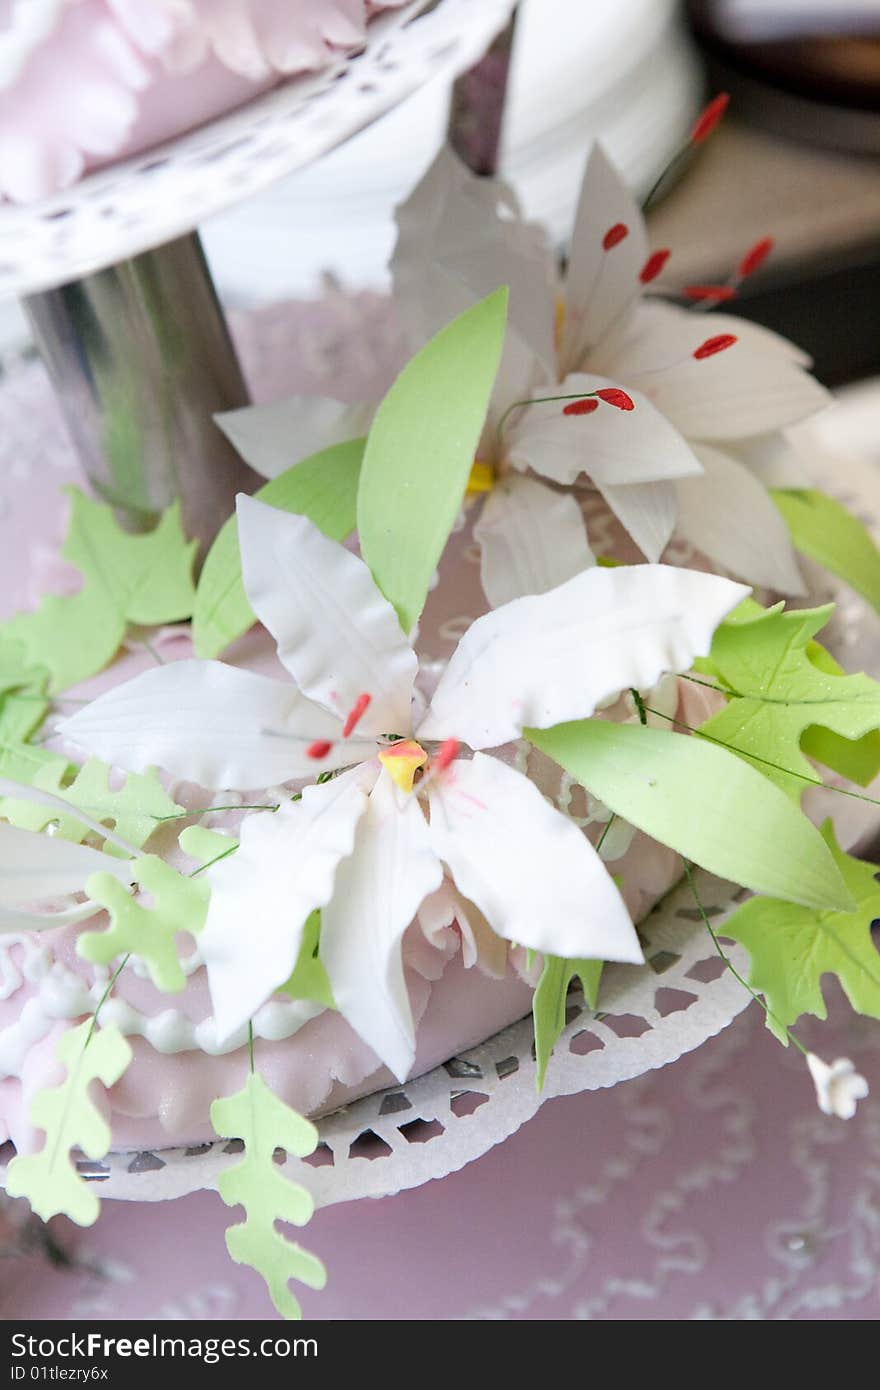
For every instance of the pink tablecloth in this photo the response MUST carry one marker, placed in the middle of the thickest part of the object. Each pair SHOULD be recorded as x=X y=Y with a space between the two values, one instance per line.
x=713 y=1189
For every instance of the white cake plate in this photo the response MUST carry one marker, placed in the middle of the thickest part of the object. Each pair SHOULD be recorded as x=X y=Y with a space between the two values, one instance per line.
x=145 y=201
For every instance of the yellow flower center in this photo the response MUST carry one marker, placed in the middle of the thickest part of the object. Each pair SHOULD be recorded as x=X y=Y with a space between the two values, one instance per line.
x=482 y=478
x=402 y=761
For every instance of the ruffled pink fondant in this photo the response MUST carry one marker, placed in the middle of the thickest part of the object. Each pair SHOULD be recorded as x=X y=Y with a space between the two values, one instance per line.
x=115 y=77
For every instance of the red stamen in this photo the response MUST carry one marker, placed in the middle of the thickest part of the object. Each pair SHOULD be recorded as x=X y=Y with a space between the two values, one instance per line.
x=755 y=257
x=717 y=292
x=584 y=407
x=614 y=236
x=447 y=751
x=712 y=345
x=319 y=749
x=653 y=265
x=612 y=395
x=355 y=714
x=709 y=118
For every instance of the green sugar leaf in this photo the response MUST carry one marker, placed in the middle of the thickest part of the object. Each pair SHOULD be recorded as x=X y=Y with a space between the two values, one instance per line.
x=133 y=809
x=783 y=685
x=548 y=1002
x=144 y=579
x=791 y=947
x=70 y=1120
x=707 y=804
x=309 y=979
x=20 y=716
x=323 y=488
x=824 y=530
x=179 y=904
x=420 y=452
x=264 y=1123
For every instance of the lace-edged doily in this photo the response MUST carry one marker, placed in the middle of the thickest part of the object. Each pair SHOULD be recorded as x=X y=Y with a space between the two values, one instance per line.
x=141 y=202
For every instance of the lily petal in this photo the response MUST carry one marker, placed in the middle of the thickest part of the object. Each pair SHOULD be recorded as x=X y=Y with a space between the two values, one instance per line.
x=774 y=459
x=728 y=515
x=378 y=892
x=658 y=334
x=531 y=539
x=211 y=724
x=337 y=635
x=601 y=284
x=272 y=438
x=38 y=868
x=613 y=446
x=547 y=659
x=531 y=872
x=454 y=247
x=648 y=511
x=261 y=896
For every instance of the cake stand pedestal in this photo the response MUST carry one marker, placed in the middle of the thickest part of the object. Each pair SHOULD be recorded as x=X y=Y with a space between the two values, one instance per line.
x=117 y=289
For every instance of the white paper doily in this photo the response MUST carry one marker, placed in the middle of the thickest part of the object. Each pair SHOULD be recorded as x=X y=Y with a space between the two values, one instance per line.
x=141 y=202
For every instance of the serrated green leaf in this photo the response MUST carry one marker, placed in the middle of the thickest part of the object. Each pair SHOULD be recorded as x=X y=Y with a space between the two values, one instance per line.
x=264 y=1123
x=143 y=579
x=791 y=947
x=420 y=452
x=179 y=904
x=707 y=804
x=133 y=810
x=823 y=529
x=70 y=1119
x=20 y=716
x=309 y=979
x=548 y=1003
x=781 y=687
x=323 y=488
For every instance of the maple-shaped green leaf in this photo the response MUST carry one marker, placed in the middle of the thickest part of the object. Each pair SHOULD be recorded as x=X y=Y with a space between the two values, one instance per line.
x=704 y=802
x=207 y=846
x=858 y=759
x=420 y=452
x=70 y=1120
x=16 y=671
x=777 y=691
x=264 y=1123
x=179 y=904
x=309 y=979
x=548 y=1002
x=323 y=488
x=827 y=532
x=133 y=809
x=145 y=579
x=791 y=947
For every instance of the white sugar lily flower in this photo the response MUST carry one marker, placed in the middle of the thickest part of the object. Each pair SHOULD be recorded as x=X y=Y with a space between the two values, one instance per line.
x=839 y=1087
x=682 y=426
x=370 y=845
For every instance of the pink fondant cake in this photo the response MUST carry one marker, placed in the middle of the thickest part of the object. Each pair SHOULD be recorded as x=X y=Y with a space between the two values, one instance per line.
x=85 y=82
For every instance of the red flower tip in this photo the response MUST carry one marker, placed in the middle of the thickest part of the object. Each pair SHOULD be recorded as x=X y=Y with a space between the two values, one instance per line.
x=755 y=257
x=612 y=395
x=355 y=714
x=717 y=292
x=709 y=118
x=447 y=751
x=319 y=749
x=653 y=265
x=584 y=407
x=713 y=345
x=615 y=235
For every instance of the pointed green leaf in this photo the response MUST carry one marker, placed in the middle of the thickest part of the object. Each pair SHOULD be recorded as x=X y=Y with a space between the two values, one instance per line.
x=791 y=947
x=179 y=904
x=309 y=979
x=420 y=452
x=824 y=530
x=548 y=1002
x=323 y=488
x=264 y=1123
x=126 y=579
x=702 y=801
x=782 y=684
x=70 y=1120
